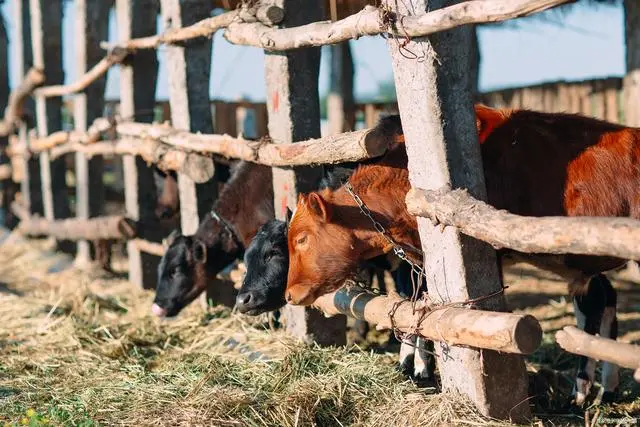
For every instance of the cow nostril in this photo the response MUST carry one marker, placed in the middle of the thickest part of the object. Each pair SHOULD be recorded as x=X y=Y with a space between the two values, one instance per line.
x=243 y=299
x=288 y=296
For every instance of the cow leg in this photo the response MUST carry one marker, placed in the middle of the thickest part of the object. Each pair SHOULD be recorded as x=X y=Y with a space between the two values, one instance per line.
x=407 y=352
x=424 y=363
x=588 y=310
x=609 y=329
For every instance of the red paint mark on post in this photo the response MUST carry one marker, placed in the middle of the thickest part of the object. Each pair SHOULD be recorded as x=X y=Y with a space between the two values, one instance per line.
x=275 y=101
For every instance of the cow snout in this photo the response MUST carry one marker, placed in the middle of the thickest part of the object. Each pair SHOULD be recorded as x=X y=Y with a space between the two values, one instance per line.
x=244 y=301
x=158 y=311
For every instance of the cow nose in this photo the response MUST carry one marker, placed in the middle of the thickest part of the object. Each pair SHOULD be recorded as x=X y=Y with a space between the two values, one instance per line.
x=244 y=299
x=288 y=296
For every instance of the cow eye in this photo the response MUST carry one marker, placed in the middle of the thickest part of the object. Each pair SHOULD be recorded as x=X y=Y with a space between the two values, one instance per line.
x=301 y=240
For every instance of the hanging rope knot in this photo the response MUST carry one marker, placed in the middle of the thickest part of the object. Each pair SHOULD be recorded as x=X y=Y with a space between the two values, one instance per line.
x=255 y=145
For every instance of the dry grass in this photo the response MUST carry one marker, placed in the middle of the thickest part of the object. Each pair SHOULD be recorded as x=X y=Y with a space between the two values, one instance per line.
x=80 y=348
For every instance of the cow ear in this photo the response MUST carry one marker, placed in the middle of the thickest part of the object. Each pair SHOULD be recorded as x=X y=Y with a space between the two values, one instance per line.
x=199 y=252
x=168 y=241
x=318 y=206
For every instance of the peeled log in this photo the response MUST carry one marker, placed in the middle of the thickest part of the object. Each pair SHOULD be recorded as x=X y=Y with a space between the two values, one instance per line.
x=108 y=227
x=505 y=332
x=579 y=342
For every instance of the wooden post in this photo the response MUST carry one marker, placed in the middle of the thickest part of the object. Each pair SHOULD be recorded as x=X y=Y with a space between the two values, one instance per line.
x=432 y=93
x=340 y=102
x=46 y=40
x=611 y=89
x=137 y=18
x=294 y=114
x=631 y=85
x=30 y=187
x=189 y=75
x=91 y=28
x=8 y=186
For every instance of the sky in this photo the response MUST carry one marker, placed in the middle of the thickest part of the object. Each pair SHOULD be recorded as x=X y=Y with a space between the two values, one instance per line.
x=587 y=42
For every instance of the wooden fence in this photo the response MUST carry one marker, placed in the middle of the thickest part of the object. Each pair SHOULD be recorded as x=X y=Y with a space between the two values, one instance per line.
x=479 y=364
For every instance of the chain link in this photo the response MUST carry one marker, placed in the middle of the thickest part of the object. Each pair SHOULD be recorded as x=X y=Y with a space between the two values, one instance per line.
x=397 y=249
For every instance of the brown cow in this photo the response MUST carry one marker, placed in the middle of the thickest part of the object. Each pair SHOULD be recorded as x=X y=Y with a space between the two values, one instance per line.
x=536 y=164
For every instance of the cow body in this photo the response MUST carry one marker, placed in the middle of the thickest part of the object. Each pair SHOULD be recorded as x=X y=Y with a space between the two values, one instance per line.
x=245 y=203
x=535 y=164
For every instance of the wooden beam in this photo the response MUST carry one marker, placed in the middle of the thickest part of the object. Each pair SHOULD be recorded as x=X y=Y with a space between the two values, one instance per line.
x=434 y=87
x=332 y=149
x=579 y=342
x=91 y=27
x=616 y=237
x=109 y=227
x=293 y=107
x=504 y=332
x=368 y=23
x=46 y=39
x=195 y=166
x=136 y=18
x=14 y=108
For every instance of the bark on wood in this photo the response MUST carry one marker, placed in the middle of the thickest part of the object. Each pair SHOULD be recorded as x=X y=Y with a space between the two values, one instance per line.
x=196 y=166
x=30 y=187
x=91 y=27
x=616 y=237
x=96 y=72
x=46 y=39
x=149 y=247
x=294 y=115
x=504 y=332
x=138 y=18
x=267 y=15
x=189 y=74
x=579 y=342
x=5 y=172
x=631 y=85
x=368 y=23
x=14 y=110
x=345 y=147
x=432 y=90
x=109 y=227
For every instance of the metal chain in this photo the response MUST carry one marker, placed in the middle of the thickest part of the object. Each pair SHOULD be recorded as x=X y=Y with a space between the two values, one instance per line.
x=397 y=249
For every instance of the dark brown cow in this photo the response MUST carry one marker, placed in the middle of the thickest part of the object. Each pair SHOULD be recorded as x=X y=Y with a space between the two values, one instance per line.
x=536 y=164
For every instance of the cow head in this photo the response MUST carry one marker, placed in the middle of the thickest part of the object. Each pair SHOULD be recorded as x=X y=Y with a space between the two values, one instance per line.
x=322 y=251
x=266 y=260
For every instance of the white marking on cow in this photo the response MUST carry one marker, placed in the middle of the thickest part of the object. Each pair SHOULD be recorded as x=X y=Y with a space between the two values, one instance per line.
x=420 y=359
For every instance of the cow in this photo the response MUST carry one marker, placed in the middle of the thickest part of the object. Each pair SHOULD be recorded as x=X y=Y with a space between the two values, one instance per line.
x=245 y=203
x=535 y=164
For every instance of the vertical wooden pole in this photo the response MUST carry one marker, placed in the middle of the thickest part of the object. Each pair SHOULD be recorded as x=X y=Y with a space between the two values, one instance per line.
x=8 y=190
x=294 y=114
x=46 y=39
x=436 y=105
x=598 y=100
x=631 y=84
x=30 y=187
x=189 y=74
x=91 y=27
x=137 y=18
x=340 y=102
x=611 y=100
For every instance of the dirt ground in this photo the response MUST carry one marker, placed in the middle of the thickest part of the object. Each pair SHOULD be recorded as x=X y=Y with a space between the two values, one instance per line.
x=79 y=347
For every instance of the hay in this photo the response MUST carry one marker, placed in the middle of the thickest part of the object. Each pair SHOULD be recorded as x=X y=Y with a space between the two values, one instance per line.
x=80 y=347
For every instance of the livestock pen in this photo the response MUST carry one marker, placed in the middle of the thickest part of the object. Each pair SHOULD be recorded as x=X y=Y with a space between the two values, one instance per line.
x=484 y=365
